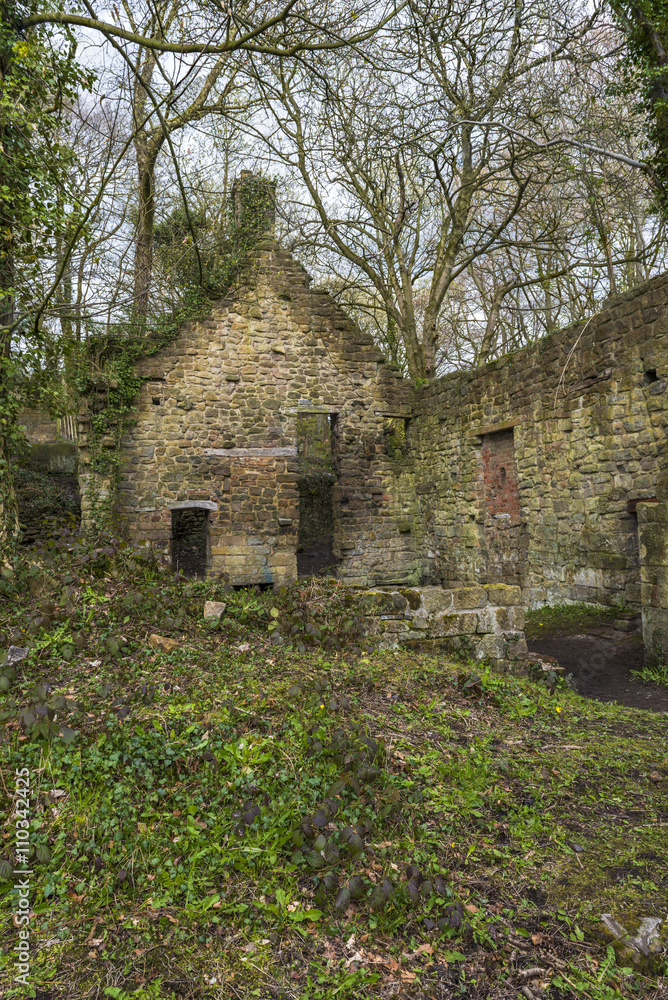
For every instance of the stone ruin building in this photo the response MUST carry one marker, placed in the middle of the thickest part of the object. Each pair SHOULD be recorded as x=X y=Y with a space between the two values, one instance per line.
x=546 y=470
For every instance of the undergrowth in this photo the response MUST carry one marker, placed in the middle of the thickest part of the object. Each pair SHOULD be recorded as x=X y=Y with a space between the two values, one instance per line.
x=652 y=673
x=276 y=809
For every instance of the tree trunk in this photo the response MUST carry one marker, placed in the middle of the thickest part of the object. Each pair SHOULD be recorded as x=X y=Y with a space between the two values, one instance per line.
x=490 y=333
x=144 y=244
x=9 y=524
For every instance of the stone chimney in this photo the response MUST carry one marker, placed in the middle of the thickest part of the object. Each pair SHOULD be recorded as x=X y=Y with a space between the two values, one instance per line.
x=254 y=204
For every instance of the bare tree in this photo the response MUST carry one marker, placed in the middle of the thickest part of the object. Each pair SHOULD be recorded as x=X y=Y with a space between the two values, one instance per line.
x=182 y=60
x=420 y=154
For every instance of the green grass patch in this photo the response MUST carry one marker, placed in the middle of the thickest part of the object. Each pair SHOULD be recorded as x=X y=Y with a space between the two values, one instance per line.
x=656 y=673
x=568 y=618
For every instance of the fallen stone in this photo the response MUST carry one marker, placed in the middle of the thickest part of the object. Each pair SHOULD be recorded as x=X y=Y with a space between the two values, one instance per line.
x=214 y=609
x=162 y=644
x=546 y=663
x=15 y=654
x=646 y=942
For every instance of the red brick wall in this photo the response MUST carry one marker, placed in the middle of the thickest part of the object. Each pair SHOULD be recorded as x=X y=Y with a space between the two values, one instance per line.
x=500 y=475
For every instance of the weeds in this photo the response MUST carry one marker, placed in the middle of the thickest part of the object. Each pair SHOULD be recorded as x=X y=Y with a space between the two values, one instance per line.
x=656 y=673
x=274 y=809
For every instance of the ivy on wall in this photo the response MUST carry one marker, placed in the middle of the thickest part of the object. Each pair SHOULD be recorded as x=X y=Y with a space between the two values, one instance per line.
x=108 y=384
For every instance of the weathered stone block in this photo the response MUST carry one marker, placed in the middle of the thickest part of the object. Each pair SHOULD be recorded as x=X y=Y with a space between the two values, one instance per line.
x=464 y=623
x=395 y=625
x=437 y=601
x=413 y=597
x=490 y=647
x=377 y=602
x=654 y=542
x=501 y=619
x=214 y=609
x=469 y=597
x=516 y=649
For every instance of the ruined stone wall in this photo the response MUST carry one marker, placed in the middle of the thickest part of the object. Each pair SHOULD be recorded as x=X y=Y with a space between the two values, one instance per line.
x=653 y=529
x=40 y=427
x=51 y=440
x=533 y=471
x=486 y=623
x=217 y=428
x=528 y=471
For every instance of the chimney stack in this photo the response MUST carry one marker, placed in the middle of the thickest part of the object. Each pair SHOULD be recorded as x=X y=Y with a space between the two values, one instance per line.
x=254 y=204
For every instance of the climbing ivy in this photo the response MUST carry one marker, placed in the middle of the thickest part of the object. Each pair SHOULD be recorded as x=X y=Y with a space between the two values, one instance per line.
x=39 y=205
x=108 y=385
x=643 y=74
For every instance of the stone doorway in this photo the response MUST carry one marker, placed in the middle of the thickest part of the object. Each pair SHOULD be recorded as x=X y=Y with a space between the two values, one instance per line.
x=316 y=437
x=190 y=541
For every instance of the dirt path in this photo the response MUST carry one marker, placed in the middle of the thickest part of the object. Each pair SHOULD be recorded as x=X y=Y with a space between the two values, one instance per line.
x=600 y=660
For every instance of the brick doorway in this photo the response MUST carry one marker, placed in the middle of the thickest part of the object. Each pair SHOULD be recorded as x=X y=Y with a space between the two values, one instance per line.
x=505 y=533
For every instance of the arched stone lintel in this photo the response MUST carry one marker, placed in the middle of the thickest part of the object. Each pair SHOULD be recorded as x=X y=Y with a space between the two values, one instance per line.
x=193 y=504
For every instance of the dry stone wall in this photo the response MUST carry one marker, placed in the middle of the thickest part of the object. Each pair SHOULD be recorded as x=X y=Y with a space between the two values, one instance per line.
x=485 y=623
x=532 y=470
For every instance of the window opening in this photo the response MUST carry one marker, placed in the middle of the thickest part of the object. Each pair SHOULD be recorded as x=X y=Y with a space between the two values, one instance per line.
x=317 y=437
x=396 y=436
x=190 y=541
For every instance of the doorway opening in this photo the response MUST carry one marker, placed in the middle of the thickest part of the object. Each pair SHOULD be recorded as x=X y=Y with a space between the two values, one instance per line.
x=505 y=532
x=190 y=541
x=316 y=445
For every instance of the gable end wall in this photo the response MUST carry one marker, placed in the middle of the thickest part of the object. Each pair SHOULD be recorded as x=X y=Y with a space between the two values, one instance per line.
x=217 y=423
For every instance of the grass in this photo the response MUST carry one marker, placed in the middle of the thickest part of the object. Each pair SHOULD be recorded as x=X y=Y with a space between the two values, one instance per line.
x=568 y=618
x=274 y=809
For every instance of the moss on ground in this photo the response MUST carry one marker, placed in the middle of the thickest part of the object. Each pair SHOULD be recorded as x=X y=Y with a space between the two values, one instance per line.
x=566 y=619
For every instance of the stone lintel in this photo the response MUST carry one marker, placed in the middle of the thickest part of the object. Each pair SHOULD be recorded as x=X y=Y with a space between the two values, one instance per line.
x=193 y=504
x=288 y=452
x=506 y=425
x=314 y=408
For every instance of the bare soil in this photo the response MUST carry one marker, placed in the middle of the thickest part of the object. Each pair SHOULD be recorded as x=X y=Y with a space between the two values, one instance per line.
x=315 y=560
x=600 y=657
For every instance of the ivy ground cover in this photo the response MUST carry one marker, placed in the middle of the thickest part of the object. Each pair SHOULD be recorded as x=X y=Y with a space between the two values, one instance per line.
x=274 y=809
